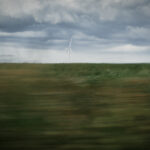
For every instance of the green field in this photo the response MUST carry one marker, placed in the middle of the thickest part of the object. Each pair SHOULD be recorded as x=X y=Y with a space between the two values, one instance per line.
x=74 y=106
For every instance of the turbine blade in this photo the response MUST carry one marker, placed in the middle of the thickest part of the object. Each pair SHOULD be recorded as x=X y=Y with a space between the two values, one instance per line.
x=70 y=43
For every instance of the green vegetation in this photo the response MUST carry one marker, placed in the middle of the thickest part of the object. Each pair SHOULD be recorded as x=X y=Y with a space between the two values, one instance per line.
x=74 y=106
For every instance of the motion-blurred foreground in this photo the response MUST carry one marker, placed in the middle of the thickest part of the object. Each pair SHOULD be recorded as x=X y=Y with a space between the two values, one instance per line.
x=74 y=107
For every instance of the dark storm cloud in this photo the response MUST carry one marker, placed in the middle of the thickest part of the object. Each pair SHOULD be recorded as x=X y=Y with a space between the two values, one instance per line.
x=9 y=24
x=95 y=25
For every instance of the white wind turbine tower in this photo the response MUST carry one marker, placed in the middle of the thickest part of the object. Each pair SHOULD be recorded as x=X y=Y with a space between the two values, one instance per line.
x=69 y=49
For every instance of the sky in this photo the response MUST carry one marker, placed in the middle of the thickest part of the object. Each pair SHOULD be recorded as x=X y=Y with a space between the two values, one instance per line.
x=102 y=31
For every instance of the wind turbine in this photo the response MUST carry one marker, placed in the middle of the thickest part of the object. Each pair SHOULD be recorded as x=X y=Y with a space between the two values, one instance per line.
x=69 y=49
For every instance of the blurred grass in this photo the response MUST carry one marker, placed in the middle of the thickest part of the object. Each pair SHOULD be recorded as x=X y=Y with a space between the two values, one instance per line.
x=75 y=106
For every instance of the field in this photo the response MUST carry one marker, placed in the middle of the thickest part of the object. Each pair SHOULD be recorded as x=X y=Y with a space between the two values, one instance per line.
x=75 y=106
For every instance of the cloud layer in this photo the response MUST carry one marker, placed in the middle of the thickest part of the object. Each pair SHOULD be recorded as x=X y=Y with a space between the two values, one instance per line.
x=102 y=30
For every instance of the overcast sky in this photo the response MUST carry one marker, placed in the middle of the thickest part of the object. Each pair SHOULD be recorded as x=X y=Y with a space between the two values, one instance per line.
x=108 y=31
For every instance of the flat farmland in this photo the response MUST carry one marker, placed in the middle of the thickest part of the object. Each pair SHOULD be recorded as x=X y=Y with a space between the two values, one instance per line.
x=74 y=106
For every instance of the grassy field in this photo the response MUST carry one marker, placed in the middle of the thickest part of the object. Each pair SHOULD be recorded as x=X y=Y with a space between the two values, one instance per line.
x=74 y=107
